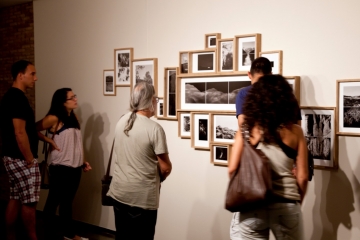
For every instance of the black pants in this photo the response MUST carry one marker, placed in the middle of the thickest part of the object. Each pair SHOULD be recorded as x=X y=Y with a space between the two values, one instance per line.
x=133 y=223
x=64 y=182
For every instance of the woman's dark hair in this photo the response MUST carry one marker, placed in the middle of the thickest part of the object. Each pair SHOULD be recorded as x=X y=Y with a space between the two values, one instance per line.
x=271 y=104
x=58 y=109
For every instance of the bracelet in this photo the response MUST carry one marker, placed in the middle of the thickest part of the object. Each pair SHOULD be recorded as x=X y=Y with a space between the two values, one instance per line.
x=32 y=161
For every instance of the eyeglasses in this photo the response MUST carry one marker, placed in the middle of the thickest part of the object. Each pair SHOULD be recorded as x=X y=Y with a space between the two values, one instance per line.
x=72 y=98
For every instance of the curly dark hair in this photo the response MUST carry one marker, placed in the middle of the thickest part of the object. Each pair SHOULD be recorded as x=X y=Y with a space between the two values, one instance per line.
x=271 y=104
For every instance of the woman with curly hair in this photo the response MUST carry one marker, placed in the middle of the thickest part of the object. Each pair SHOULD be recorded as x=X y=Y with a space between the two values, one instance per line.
x=271 y=112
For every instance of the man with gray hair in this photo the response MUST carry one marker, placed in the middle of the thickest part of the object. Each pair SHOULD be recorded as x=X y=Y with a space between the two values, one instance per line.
x=141 y=163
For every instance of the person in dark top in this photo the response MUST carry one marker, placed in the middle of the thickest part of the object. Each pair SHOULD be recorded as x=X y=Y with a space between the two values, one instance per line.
x=19 y=150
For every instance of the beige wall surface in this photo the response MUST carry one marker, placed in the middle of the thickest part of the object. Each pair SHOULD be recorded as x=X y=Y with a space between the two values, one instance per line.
x=74 y=42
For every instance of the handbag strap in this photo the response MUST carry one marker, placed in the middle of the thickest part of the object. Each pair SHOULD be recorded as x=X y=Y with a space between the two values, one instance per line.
x=52 y=138
x=245 y=132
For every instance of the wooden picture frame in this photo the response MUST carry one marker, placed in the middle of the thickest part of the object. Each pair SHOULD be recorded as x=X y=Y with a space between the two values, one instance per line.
x=210 y=40
x=160 y=108
x=347 y=110
x=200 y=126
x=294 y=81
x=225 y=55
x=183 y=63
x=122 y=65
x=209 y=93
x=184 y=124
x=319 y=126
x=202 y=61
x=220 y=154
x=275 y=57
x=170 y=74
x=247 y=49
x=109 y=83
x=223 y=127
x=144 y=69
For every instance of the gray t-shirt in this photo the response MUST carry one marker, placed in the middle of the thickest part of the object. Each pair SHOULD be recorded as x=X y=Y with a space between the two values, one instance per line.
x=136 y=179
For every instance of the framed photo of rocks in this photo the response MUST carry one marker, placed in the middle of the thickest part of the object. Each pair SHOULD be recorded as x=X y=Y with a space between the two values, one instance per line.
x=223 y=127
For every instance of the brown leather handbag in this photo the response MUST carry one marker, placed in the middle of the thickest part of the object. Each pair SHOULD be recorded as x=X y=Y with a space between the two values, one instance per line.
x=250 y=185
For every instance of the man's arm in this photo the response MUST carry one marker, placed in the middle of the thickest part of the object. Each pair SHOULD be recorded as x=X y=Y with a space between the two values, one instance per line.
x=22 y=140
x=165 y=166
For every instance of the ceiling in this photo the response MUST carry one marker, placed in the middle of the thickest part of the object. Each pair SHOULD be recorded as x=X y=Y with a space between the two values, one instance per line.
x=6 y=3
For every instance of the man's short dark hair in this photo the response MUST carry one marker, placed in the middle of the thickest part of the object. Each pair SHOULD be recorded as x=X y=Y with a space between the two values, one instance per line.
x=261 y=65
x=19 y=67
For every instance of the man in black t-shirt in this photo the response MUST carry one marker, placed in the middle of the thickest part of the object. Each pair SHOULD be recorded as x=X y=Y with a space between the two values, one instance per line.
x=19 y=150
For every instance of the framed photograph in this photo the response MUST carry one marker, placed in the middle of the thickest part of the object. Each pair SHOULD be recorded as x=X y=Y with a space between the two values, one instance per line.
x=211 y=93
x=160 y=108
x=170 y=93
x=247 y=48
x=348 y=107
x=123 y=58
x=275 y=57
x=144 y=70
x=203 y=61
x=220 y=154
x=210 y=40
x=183 y=62
x=109 y=83
x=223 y=127
x=294 y=82
x=225 y=53
x=318 y=125
x=200 y=124
x=184 y=124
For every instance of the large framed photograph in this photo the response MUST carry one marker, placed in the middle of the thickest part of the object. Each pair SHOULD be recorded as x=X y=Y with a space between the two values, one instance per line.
x=203 y=61
x=275 y=57
x=170 y=93
x=200 y=126
x=109 y=83
x=211 y=93
x=348 y=107
x=247 y=48
x=210 y=40
x=184 y=124
x=220 y=154
x=144 y=70
x=226 y=55
x=223 y=127
x=160 y=108
x=318 y=125
x=183 y=62
x=294 y=82
x=122 y=61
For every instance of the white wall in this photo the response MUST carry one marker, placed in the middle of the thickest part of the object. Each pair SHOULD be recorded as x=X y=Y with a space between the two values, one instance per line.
x=74 y=42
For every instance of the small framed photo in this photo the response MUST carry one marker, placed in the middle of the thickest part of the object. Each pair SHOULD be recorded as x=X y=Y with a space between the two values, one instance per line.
x=348 y=110
x=275 y=57
x=210 y=40
x=144 y=70
x=294 y=82
x=109 y=83
x=170 y=93
x=226 y=55
x=318 y=125
x=220 y=154
x=247 y=48
x=160 y=108
x=183 y=62
x=184 y=124
x=223 y=127
x=203 y=61
x=123 y=58
x=200 y=124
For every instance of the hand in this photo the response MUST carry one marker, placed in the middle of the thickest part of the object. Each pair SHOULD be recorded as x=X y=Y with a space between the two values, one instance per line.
x=53 y=145
x=86 y=167
x=29 y=164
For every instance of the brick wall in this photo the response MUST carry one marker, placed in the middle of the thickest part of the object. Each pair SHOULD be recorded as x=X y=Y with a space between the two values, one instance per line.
x=16 y=42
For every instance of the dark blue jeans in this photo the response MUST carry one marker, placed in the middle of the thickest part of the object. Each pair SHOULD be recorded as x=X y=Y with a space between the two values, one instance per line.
x=133 y=223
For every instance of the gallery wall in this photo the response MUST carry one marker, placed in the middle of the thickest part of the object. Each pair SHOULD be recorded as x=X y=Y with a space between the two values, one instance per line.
x=75 y=42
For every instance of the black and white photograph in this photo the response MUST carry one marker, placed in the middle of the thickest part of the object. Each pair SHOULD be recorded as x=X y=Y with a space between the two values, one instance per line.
x=109 y=83
x=318 y=127
x=144 y=73
x=170 y=93
x=294 y=82
x=200 y=137
x=211 y=39
x=275 y=57
x=203 y=62
x=144 y=70
x=248 y=53
x=226 y=53
x=219 y=154
x=184 y=62
x=224 y=127
x=160 y=108
x=210 y=93
x=247 y=48
x=123 y=58
x=184 y=124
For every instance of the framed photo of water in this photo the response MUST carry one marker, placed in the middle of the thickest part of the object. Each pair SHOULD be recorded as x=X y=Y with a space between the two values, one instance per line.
x=247 y=48
x=348 y=107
